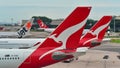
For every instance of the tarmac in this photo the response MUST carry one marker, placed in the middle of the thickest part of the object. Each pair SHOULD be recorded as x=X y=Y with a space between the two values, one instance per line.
x=105 y=56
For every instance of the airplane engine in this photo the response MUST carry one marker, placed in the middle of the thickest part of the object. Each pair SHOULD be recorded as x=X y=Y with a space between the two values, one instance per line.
x=58 y=55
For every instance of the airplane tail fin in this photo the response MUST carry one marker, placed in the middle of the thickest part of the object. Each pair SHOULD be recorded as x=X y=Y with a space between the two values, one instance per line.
x=41 y=24
x=25 y=29
x=65 y=36
x=68 y=33
x=96 y=34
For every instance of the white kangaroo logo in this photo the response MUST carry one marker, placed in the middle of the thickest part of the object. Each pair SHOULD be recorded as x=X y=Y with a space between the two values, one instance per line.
x=96 y=32
x=53 y=37
x=64 y=36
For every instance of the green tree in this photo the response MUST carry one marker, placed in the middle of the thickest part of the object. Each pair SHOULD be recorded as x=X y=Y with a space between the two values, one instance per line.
x=90 y=23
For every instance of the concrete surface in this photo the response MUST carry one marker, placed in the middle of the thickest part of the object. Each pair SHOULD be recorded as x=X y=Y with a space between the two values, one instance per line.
x=94 y=58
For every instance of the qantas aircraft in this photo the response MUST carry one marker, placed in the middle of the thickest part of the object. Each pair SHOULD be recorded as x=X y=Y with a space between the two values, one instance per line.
x=54 y=49
x=96 y=34
x=93 y=37
x=24 y=31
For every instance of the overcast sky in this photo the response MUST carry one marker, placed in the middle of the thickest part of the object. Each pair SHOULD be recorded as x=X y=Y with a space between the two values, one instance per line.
x=25 y=9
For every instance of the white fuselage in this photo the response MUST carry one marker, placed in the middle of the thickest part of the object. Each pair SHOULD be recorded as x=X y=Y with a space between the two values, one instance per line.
x=24 y=42
x=7 y=34
x=52 y=29
x=49 y=29
x=19 y=43
x=13 y=58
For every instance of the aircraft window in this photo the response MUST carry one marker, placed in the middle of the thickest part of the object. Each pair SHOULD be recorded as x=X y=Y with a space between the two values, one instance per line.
x=2 y=58
x=10 y=58
x=7 y=55
x=15 y=58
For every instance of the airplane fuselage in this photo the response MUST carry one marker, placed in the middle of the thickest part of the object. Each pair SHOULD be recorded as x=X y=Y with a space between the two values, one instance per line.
x=12 y=58
x=19 y=43
x=28 y=58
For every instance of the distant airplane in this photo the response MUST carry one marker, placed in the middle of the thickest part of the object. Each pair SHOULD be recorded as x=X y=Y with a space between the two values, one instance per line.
x=24 y=31
x=54 y=49
x=1 y=28
x=43 y=26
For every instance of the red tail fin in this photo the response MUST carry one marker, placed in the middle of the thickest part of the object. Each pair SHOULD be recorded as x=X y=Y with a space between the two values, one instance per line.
x=65 y=36
x=41 y=24
x=68 y=33
x=96 y=33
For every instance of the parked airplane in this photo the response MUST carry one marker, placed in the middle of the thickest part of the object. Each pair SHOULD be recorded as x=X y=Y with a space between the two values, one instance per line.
x=54 y=49
x=24 y=31
x=96 y=34
x=41 y=24
x=93 y=37
x=44 y=26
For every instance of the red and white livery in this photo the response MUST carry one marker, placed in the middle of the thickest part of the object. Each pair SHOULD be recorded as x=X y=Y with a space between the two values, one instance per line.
x=96 y=34
x=53 y=49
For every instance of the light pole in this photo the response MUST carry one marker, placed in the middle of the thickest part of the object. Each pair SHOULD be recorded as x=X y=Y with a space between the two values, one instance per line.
x=12 y=21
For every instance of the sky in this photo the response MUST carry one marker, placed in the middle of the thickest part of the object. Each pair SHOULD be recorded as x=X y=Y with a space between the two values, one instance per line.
x=17 y=10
